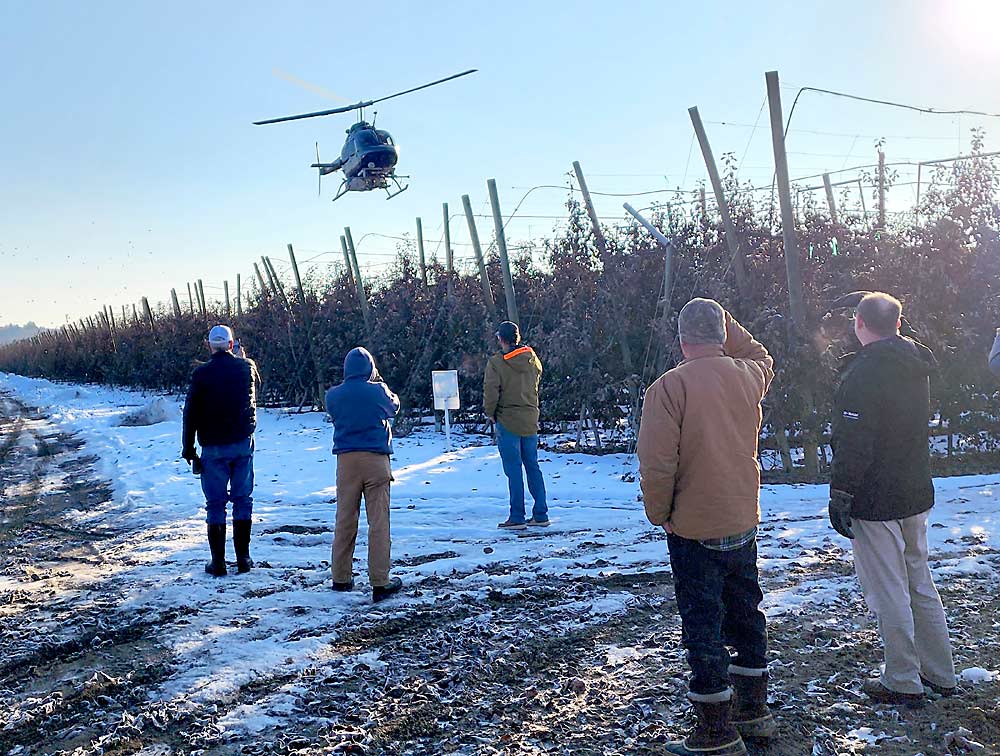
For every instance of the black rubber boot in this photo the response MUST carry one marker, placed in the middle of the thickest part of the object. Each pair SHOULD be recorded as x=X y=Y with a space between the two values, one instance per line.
x=750 y=714
x=713 y=735
x=217 y=544
x=382 y=592
x=241 y=545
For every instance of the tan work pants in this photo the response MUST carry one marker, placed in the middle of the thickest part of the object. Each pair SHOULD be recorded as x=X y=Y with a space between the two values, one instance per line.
x=891 y=561
x=369 y=474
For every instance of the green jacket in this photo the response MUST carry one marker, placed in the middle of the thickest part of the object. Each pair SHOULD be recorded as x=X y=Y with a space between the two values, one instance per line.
x=510 y=390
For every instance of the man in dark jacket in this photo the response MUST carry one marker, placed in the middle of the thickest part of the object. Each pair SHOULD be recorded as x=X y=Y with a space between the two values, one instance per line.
x=881 y=493
x=221 y=408
x=361 y=408
x=510 y=398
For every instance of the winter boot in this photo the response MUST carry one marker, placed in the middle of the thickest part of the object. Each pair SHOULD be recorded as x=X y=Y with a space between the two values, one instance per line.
x=382 y=592
x=241 y=545
x=750 y=715
x=217 y=544
x=713 y=733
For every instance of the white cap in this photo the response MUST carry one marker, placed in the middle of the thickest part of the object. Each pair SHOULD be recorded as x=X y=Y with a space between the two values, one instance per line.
x=220 y=336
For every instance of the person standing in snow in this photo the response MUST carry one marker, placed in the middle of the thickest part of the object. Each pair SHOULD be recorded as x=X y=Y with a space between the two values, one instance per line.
x=361 y=408
x=221 y=409
x=701 y=483
x=881 y=493
x=510 y=399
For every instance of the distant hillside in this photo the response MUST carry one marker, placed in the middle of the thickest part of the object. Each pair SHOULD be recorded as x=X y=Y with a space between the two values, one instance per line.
x=9 y=333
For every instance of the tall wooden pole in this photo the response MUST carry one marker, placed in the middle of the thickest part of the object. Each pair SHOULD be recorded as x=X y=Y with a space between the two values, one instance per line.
x=797 y=306
x=508 y=279
x=795 y=296
x=225 y=289
x=276 y=282
x=347 y=259
x=190 y=298
x=307 y=318
x=239 y=296
x=260 y=280
x=176 y=303
x=358 y=281
x=201 y=298
x=732 y=239
x=484 y=278
x=149 y=313
x=602 y=243
x=881 y=189
x=703 y=204
x=448 y=257
x=420 y=251
x=830 y=201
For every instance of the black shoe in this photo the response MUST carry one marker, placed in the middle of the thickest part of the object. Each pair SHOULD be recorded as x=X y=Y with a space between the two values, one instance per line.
x=508 y=525
x=382 y=592
x=533 y=523
x=241 y=545
x=939 y=689
x=217 y=545
x=750 y=714
x=348 y=586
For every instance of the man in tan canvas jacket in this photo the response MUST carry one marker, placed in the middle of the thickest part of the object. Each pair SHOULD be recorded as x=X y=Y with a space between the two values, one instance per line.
x=700 y=483
x=510 y=398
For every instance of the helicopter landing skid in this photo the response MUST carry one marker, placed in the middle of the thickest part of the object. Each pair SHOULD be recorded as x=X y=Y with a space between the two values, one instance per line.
x=399 y=188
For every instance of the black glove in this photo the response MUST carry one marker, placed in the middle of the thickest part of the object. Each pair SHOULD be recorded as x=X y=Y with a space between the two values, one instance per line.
x=840 y=512
x=189 y=454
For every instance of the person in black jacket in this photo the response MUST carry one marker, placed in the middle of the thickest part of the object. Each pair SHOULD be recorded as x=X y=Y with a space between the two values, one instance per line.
x=881 y=493
x=221 y=408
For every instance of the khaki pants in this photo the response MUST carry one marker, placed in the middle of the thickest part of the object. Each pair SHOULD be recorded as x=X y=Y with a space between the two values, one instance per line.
x=369 y=474
x=891 y=561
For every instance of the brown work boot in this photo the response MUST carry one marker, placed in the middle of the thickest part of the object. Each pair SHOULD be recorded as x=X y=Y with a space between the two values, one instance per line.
x=713 y=734
x=750 y=715
x=877 y=692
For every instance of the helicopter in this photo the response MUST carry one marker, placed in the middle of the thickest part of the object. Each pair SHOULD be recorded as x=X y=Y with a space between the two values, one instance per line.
x=369 y=155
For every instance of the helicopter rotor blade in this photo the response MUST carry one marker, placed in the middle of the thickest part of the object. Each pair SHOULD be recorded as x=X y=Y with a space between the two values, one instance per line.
x=424 y=86
x=363 y=104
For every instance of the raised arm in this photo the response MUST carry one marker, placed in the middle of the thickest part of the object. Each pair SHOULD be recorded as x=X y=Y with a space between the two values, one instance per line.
x=740 y=345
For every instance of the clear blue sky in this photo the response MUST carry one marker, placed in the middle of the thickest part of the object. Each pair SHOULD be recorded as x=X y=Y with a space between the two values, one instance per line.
x=130 y=164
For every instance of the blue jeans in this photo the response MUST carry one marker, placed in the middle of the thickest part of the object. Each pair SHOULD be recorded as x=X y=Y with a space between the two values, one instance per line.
x=227 y=475
x=516 y=451
x=718 y=596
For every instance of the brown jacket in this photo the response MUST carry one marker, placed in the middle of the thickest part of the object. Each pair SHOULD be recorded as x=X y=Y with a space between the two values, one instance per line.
x=510 y=390
x=698 y=440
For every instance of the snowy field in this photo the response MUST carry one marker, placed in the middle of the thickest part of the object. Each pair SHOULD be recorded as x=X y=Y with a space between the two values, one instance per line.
x=243 y=654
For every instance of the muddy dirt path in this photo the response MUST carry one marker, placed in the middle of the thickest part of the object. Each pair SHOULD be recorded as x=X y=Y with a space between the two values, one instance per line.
x=532 y=670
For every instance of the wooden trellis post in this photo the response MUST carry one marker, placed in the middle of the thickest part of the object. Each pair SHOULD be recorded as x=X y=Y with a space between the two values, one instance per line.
x=276 y=282
x=190 y=298
x=358 y=281
x=239 y=297
x=176 y=303
x=149 y=314
x=201 y=299
x=420 y=251
x=484 y=278
x=830 y=201
x=225 y=289
x=307 y=318
x=501 y=237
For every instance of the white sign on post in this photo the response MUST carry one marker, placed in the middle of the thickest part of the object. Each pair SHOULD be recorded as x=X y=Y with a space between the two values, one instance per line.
x=445 y=385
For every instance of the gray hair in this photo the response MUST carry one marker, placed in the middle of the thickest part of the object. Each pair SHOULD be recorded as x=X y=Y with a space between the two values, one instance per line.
x=702 y=321
x=880 y=312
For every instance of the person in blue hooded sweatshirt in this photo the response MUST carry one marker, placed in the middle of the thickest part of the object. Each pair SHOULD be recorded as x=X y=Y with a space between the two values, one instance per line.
x=361 y=408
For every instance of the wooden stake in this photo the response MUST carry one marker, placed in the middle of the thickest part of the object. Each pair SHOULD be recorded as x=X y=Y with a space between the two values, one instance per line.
x=420 y=251
x=201 y=299
x=225 y=289
x=347 y=259
x=602 y=243
x=149 y=313
x=177 y=304
x=861 y=194
x=135 y=315
x=448 y=257
x=484 y=278
x=190 y=298
x=260 y=279
x=703 y=204
x=276 y=282
x=239 y=297
x=881 y=189
x=358 y=280
x=307 y=318
x=508 y=280
x=797 y=308
x=830 y=201
x=732 y=239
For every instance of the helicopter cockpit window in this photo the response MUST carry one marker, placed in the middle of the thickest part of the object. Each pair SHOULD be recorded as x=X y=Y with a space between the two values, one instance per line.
x=384 y=137
x=366 y=138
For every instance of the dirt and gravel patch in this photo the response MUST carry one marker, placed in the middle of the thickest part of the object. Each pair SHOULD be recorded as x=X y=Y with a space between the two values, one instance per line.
x=569 y=665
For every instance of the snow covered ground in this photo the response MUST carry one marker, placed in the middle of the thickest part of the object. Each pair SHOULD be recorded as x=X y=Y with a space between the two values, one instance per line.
x=278 y=622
